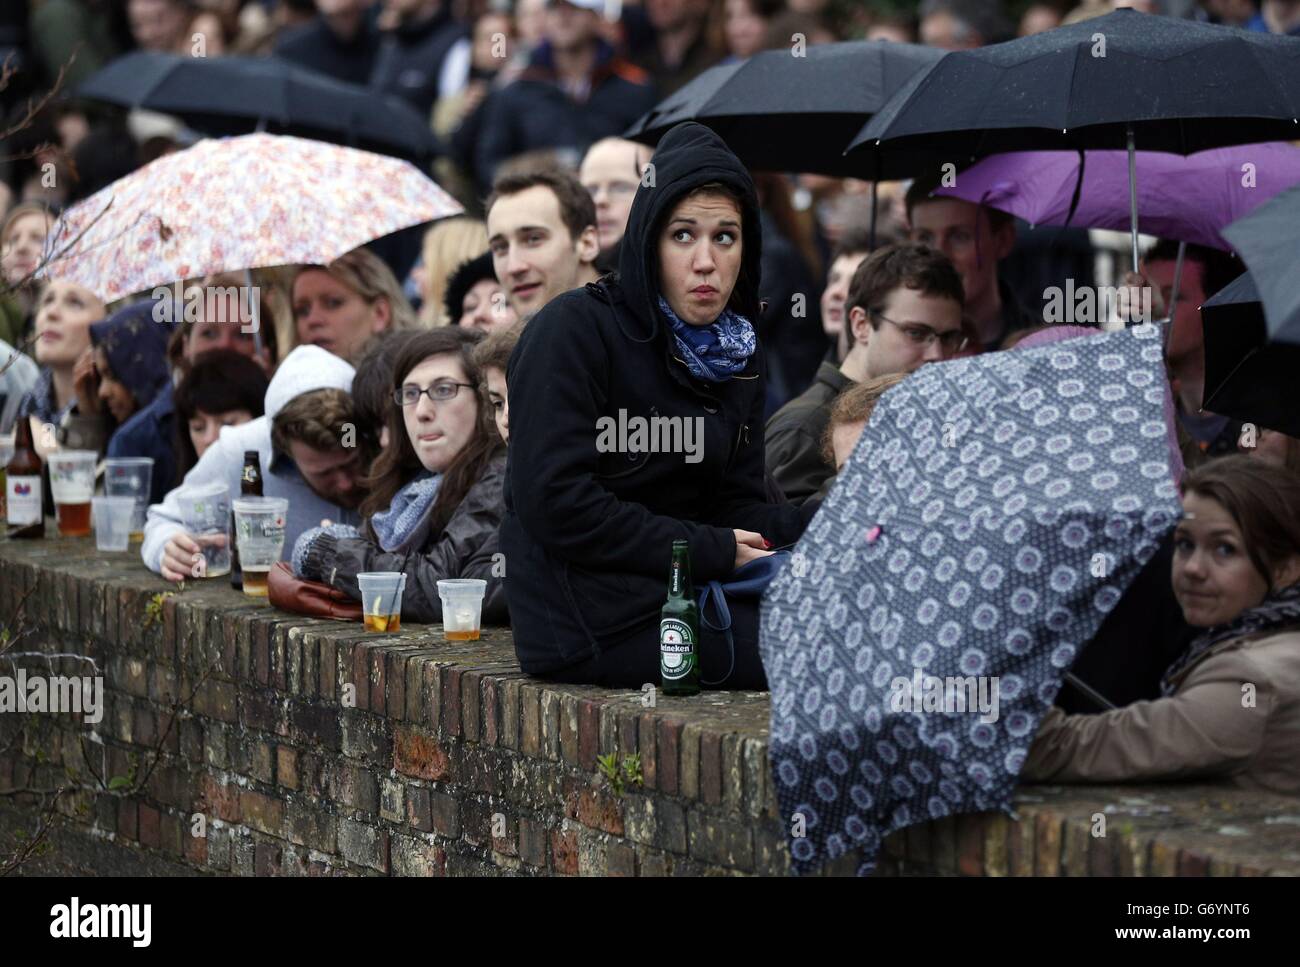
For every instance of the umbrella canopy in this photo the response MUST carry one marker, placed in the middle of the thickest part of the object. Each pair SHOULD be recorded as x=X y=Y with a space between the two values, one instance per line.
x=1189 y=199
x=1248 y=377
x=237 y=203
x=994 y=510
x=1268 y=241
x=1182 y=86
x=779 y=112
x=237 y=95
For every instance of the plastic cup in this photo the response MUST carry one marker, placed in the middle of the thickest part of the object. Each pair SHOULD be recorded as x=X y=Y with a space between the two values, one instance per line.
x=381 y=599
x=259 y=529
x=72 y=481
x=113 y=517
x=131 y=477
x=205 y=512
x=462 y=607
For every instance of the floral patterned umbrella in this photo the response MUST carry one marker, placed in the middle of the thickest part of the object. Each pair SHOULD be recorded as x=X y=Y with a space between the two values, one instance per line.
x=994 y=510
x=229 y=204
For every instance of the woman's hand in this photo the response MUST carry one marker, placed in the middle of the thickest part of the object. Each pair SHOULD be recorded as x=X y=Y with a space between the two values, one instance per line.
x=749 y=547
x=183 y=556
x=85 y=383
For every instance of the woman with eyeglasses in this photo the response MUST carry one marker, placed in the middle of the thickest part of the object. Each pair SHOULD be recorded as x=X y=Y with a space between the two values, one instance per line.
x=435 y=492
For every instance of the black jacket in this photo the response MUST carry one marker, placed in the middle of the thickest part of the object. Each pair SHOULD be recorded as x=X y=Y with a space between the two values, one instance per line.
x=794 y=436
x=409 y=59
x=466 y=548
x=588 y=534
x=534 y=112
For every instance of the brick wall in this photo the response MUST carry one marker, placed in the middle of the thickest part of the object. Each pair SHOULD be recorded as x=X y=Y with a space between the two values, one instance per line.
x=312 y=748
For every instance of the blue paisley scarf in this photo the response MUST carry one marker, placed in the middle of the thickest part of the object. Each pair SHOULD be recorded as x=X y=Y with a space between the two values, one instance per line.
x=715 y=352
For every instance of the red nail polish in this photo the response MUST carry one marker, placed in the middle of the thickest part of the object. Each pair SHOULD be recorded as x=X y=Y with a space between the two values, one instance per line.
x=767 y=544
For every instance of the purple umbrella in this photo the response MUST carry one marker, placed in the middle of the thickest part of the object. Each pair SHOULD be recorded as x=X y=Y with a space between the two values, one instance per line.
x=1186 y=198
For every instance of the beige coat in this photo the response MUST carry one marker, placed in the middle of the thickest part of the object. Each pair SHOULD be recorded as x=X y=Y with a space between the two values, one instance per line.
x=1207 y=728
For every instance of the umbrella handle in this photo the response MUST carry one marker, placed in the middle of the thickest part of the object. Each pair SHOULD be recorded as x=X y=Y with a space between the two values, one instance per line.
x=1133 y=194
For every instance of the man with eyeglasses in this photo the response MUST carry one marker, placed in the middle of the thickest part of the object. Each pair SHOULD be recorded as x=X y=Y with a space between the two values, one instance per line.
x=976 y=238
x=904 y=309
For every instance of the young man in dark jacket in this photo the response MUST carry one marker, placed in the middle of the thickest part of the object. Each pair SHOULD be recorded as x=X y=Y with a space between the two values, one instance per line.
x=667 y=343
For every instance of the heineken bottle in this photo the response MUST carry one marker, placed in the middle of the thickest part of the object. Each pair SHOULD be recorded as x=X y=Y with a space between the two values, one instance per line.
x=679 y=629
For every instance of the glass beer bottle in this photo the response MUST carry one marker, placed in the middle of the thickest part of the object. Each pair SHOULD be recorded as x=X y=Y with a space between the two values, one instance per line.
x=250 y=485
x=25 y=511
x=679 y=629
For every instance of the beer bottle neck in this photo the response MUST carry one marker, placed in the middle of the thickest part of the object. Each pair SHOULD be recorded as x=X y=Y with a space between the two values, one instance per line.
x=679 y=578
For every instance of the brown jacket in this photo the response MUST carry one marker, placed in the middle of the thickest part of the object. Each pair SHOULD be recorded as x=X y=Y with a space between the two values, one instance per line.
x=1207 y=728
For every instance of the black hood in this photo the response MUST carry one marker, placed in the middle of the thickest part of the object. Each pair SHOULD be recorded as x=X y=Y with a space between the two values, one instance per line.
x=688 y=156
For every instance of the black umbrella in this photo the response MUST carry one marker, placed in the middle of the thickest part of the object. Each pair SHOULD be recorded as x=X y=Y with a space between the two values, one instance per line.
x=237 y=95
x=1268 y=241
x=781 y=112
x=1248 y=377
x=1119 y=81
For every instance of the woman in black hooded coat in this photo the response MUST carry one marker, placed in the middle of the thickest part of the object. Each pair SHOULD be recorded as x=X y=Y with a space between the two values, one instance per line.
x=589 y=528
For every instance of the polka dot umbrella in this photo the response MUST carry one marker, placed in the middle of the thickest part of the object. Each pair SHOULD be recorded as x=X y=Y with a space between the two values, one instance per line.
x=994 y=510
x=230 y=204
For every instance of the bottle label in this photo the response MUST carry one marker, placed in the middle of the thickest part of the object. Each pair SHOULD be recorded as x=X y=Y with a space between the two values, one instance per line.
x=676 y=648
x=24 y=497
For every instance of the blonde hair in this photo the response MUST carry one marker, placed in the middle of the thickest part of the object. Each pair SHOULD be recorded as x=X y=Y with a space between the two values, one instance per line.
x=447 y=245
x=366 y=274
x=855 y=405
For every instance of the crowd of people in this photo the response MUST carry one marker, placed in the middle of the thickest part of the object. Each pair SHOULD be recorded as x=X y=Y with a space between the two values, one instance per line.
x=438 y=415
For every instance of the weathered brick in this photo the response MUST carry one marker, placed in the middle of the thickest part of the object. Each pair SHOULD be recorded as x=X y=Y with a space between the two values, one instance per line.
x=666 y=766
x=267 y=859
x=261 y=812
x=391 y=794
x=150 y=827
x=1047 y=844
x=532 y=843
x=647 y=743
x=588 y=731
x=549 y=712
x=128 y=819
x=364 y=737
x=656 y=821
x=569 y=745
x=717 y=841
x=221 y=801
x=419 y=754
x=711 y=768
x=310 y=827
x=564 y=851
x=620 y=860
x=286 y=766
x=970 y=845
x=363 y=845
x=216 y=700
x=445 y=813
x=530 y=720
x=355 y=786
x=471 y=702
x=451 y=696
x=996 y=860
x=414 y=857
x=418 y=811
x=593 y=807
x=509 y=709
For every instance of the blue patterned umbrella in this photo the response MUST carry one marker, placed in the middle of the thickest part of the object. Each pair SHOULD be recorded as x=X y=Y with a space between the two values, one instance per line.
x=993 y=512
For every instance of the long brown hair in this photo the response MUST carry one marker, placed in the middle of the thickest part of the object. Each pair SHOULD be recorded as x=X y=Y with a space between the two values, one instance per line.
x=398 y=464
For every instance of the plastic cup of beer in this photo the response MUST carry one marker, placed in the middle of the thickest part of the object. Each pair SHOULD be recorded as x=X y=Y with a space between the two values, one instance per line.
x=462 y=607
x=131 y=477
x=205 y=512
x=72 y=481
x=381 y=599
x=259 y=529
x=113 y=517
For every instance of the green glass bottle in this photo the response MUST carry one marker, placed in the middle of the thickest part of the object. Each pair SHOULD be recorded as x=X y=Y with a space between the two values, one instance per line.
x=679 y=629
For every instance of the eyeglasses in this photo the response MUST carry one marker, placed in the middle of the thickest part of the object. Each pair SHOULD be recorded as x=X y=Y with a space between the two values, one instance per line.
x=952 y=341
x=439 y=392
